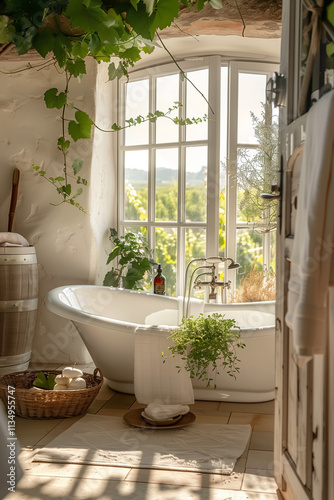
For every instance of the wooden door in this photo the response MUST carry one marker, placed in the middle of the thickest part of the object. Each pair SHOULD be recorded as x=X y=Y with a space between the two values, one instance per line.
x=304 y=404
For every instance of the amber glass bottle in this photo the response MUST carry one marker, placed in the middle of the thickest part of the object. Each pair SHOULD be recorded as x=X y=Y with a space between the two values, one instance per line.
x=159 y=282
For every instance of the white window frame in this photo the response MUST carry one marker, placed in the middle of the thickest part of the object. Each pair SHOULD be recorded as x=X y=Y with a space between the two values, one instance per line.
x=214 y=64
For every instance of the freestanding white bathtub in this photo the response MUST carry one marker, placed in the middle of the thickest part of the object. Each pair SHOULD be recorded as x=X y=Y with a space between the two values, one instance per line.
x=107 y=318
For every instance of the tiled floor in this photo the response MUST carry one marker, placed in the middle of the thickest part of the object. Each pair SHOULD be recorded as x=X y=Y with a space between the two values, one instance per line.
x=252 y=478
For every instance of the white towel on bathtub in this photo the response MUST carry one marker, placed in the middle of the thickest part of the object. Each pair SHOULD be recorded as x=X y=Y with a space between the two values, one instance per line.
x=312 y=254
x=156 y=380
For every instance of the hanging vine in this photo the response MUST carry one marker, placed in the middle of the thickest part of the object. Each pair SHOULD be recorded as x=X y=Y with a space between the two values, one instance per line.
x=65 y=33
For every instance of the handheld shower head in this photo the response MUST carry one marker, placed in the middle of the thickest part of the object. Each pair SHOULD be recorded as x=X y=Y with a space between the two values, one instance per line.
x=233 y=265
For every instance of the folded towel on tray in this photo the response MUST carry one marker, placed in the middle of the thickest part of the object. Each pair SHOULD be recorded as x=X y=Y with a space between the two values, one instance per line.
x=158 y=411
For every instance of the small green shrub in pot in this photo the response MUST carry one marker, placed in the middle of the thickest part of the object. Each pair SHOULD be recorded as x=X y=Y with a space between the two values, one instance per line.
x=207 y=344
x=134 y=261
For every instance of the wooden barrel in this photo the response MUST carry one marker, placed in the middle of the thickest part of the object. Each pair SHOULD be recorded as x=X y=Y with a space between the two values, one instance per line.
x=18 y=306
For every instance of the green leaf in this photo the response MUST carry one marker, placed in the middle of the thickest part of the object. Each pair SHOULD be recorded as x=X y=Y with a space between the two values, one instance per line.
x=167 y=11
x=52 y=100
x=131 y=277
x=24 y=43
x=44 y=382
x=81 y=129
x=44 y=42
x=80 y=49
x=330 y=49
x=76 y=68
x=77 y=165
x=140 y=21
x=107 y=34
x=59 y=50
x=86 y=15
x=113 y=254
x=5 y=36
x=133 y=54
x=114 y=72
x=111 y=279
x=200 y=4
x=330 y=13
x=63 y=143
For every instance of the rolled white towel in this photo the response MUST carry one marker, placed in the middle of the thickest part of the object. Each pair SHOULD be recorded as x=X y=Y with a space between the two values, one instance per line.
x=158 y=411
x=13 y=240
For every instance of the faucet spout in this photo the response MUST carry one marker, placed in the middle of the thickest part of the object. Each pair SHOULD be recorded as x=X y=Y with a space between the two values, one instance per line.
x=209 y=264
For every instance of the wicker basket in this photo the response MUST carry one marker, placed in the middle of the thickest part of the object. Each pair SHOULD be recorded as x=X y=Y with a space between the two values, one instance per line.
x=45 y=403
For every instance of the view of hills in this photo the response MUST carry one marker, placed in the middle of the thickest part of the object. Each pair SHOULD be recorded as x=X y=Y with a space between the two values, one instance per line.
x=165 y=176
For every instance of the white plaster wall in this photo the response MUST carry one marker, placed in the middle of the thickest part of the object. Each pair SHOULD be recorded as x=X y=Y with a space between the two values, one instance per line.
x=66 y=240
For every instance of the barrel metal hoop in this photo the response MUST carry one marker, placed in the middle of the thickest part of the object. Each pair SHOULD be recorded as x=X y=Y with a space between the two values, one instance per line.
x=11 y=259
x=18 y=305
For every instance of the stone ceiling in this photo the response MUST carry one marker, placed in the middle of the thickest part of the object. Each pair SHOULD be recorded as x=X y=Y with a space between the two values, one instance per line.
x=262 y=19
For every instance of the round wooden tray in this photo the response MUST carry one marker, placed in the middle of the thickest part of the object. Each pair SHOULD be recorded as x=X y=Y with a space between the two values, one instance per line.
x=134 y=418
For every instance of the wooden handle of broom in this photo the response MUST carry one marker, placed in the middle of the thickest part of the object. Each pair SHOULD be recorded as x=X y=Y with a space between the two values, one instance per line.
x=15 y=187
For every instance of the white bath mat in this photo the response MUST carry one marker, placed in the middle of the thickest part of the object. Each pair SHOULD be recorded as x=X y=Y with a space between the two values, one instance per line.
x=104 y=440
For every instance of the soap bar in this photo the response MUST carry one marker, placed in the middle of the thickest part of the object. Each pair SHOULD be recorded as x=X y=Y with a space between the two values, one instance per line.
x=77 y=383
x=60 y=379
x=60 y=387
x=72 y=372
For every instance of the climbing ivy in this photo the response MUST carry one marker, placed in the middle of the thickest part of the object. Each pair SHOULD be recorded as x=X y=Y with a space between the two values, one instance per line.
x=65 y=33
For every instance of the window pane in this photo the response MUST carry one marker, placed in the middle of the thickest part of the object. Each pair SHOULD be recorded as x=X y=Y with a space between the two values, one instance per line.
x=196 y=183
x=165 y=254
x=137 y=103
x=136 y=184
x=195 y=246
x=166 y=190
x=252 y=92
x=196 y=106
x=249 y=182
x=167 y=88
x=273 y=251
x=249 y=252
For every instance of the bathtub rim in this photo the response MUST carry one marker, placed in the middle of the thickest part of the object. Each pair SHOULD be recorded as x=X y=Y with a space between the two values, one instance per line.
x=64 y=309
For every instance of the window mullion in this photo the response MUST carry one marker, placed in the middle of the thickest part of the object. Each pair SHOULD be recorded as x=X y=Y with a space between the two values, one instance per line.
x=213 y=184
x=231 y=174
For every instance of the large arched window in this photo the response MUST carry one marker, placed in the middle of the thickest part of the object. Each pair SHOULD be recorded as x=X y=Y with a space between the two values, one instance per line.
x=180 y=185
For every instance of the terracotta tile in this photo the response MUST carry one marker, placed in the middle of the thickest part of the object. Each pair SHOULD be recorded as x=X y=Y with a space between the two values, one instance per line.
x=196 y=479
x=259 y=480
x=205 y=405
x=267 y=407
x=29 y=432
x=217 y=418
x=38 y=487
x=264 y=423
x=138 y=405
x=262 y=441
x=258 y=459
x=120 y=401
x=75 y=471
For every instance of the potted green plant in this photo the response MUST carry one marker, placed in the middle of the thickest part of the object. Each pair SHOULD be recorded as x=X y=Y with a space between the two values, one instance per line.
x=134 y=261
x=207 y=344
